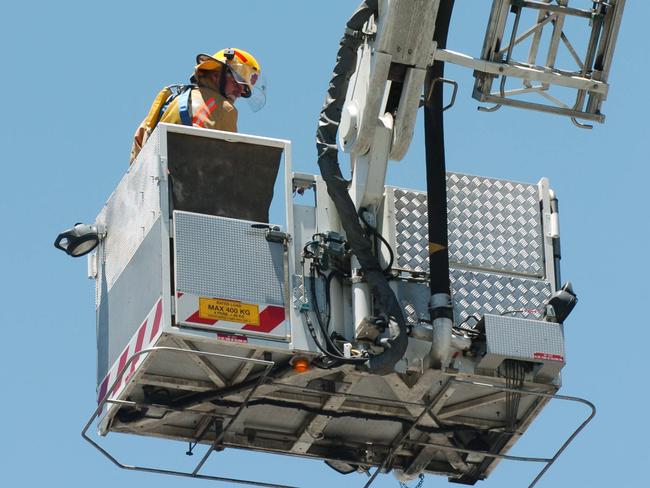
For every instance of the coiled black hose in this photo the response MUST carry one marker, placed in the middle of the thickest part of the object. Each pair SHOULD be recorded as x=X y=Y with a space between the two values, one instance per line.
x=337 y=188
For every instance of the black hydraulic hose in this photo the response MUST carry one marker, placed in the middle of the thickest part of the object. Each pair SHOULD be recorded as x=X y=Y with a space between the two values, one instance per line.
x=324 y=326
x=336 y=354
x=272 y=402
x=338 y=414
x=337 y=188
x=375 y=232
x=434 y=139
x=314 y=336
x=193 y=399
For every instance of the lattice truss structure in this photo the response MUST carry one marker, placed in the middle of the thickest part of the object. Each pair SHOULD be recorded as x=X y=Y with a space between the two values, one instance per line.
x=552 y=56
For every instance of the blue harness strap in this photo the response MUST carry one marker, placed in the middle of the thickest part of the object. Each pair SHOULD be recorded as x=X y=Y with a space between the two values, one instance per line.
x=185 y=106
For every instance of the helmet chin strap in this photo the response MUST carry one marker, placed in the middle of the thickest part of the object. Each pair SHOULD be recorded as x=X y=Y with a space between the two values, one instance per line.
x=222 y=81
x=212 y=80
x=216 y=81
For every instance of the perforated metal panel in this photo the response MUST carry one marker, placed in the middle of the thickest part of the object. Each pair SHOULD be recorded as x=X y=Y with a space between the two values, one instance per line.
x=493 y=224
x=516 y=337
x=227 y=258
x=534 y=341
x=130 y=212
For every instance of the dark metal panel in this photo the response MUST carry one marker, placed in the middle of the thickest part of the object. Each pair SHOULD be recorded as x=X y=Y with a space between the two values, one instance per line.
x=217 y=177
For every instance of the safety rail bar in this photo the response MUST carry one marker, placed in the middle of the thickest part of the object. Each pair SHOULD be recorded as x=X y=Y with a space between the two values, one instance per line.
x=195 y=473
x=549 y=461
x=403 y=439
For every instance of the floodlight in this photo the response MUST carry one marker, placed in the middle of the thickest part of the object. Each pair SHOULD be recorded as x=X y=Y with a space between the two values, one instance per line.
x=563 y=302
x=79 y=240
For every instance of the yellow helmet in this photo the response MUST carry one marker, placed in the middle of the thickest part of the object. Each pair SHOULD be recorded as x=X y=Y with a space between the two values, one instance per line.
x=244 y=68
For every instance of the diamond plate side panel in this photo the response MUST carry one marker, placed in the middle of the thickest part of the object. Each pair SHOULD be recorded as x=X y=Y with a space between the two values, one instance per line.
x=227 y=258
x=411 y=230
x=477 y=293
x=414 y=299
x=299 y=296
x=493 y=225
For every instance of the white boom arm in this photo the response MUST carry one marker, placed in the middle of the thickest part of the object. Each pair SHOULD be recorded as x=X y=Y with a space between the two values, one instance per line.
x=381 y=104
x=384 y=92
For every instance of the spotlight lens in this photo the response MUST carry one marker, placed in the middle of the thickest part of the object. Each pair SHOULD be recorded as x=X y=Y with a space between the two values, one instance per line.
x=79 y=240
x=85 y=246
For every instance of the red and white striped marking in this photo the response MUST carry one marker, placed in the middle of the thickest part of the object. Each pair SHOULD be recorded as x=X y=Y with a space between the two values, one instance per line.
x=146 y=335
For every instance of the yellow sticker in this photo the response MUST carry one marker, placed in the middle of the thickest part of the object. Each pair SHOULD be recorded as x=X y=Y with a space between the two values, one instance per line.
x=435 y=247
x=229 y=310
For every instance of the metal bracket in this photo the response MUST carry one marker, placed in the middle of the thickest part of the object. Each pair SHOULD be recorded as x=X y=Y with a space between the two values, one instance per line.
x=453 y=95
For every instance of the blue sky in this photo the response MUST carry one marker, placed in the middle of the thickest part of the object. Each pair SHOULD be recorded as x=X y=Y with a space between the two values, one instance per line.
x=78 y=77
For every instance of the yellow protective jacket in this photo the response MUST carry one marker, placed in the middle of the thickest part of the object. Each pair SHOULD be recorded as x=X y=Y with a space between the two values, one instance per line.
x=210 y=109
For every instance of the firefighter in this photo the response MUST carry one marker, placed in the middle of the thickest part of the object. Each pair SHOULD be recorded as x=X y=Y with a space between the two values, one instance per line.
x=209 y=101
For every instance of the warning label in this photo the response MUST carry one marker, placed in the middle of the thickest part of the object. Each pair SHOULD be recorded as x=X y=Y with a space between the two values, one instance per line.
x=240 y=339
x=548 y=357
x=229 y=310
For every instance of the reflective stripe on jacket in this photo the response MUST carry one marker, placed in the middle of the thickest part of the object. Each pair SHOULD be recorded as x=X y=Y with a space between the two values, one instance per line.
x=210 y=110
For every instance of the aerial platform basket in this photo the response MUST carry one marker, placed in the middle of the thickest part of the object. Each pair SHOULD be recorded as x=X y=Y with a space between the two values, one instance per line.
x=203 y=308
